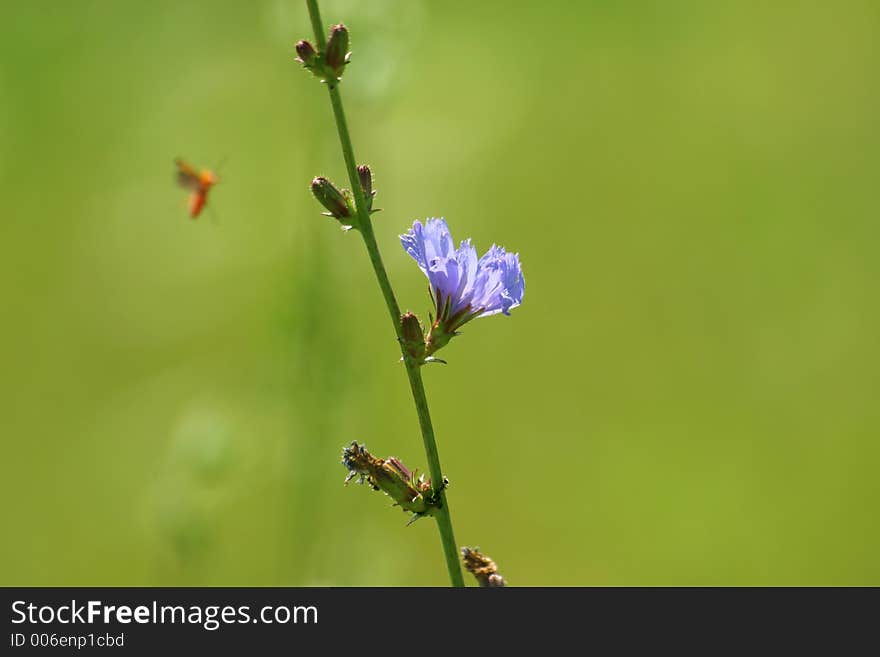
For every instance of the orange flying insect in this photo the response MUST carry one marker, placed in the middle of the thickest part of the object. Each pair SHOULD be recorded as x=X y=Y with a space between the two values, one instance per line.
x=198 y=182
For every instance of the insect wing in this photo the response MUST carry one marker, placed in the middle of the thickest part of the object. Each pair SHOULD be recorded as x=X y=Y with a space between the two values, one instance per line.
x=187 y=177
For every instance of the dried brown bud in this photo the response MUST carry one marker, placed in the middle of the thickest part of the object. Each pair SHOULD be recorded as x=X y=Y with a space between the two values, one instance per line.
x=482 y=567
x=393 y=478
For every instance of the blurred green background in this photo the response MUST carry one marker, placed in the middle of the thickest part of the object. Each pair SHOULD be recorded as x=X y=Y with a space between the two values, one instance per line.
x=689 y=394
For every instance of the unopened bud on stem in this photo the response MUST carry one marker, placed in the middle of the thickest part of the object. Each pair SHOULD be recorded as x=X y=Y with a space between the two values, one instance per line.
x=337 y=53
x=307 y=55
x=413 y=337
x=366 y=177
x=338 y=205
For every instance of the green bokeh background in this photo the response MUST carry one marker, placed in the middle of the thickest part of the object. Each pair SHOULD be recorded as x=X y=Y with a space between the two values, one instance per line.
x=689 y=394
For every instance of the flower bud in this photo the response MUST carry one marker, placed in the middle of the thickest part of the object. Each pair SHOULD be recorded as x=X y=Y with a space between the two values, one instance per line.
x=330 y=197
x=307 y=55
x=366 y=178
x=337 y=53
x=482 y=567
x=413 y=337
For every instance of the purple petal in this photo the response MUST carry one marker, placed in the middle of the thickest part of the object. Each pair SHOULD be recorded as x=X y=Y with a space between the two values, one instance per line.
x=493 y=284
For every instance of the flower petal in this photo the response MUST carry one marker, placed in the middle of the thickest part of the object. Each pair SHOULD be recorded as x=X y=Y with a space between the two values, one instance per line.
x=493 y=284
x=501 y=285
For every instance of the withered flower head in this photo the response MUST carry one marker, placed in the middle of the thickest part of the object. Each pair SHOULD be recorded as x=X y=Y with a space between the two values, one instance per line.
x=393 y=478
x=482 y=567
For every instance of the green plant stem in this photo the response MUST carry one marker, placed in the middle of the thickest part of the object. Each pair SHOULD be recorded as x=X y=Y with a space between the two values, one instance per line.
x=444 y=520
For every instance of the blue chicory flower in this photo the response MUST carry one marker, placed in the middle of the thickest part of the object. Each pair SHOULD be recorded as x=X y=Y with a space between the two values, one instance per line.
x=463 y=287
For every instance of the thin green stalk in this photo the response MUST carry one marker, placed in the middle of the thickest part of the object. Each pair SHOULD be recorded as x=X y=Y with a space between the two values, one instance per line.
x=444 y=520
